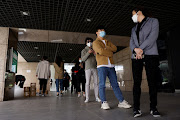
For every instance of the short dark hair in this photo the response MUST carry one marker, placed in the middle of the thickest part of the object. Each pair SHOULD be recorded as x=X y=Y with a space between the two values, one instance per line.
x=100 y=27
x=144 y=10
x=45 y=57
x=88 y=38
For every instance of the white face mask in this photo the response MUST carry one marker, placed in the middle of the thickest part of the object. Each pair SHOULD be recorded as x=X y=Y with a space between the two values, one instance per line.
x=80 y=61
x=89 y=44
x=134 y=18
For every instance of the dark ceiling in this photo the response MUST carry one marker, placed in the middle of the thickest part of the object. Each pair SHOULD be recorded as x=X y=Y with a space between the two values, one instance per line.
x=71 y=15
x=70 y=53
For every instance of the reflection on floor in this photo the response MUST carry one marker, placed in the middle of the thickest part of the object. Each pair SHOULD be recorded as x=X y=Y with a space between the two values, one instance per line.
x=70 y=107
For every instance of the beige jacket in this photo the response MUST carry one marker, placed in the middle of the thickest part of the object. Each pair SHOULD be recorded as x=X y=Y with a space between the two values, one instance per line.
x=104 y=52
x=43 y=70
x=59 y=71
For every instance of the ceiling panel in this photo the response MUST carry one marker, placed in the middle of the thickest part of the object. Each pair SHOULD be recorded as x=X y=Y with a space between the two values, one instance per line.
x=33 y=51
x=71 y=15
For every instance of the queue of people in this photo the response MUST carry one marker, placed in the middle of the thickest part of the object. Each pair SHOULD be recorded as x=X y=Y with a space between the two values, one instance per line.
x=97 y=62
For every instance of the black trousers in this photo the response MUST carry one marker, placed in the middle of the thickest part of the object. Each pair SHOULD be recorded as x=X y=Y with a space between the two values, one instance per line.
x=151 y=67
x=79 y=82
x=65 y=83
x=73 y=85
x=43 y=84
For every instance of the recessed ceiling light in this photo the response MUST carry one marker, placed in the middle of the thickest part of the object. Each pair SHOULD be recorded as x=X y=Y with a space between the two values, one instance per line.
x=38 y=55
x=25 y=13
x=88 y=19
x=59 y=40
x=36 y=48
x=22 y=29
x=70 y=49
x=20 y=33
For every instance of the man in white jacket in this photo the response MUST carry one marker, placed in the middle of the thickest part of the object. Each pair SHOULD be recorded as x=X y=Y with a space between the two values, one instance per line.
x=43 y=74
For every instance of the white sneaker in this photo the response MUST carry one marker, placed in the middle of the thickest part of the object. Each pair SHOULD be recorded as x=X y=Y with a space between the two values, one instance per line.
x=86 y=101
x=105 y=105
x=79 y=95
x=43 y=95
x=98 y=100
x=124 y=104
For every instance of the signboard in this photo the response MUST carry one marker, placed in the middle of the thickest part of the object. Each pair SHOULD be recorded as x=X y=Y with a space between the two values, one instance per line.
x=13 y=59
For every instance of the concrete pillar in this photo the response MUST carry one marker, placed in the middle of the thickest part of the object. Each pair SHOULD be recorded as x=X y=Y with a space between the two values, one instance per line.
x=4 y=34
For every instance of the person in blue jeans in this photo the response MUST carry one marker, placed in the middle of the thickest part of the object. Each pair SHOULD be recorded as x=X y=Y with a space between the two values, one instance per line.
x=59 y=74
x=59 y=82
x=105 y=65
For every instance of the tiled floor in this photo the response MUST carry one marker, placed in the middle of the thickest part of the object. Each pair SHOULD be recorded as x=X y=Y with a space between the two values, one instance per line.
x=70 y=107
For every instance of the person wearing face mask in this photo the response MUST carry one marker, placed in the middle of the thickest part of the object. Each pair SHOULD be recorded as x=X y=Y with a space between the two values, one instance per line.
x=88 y=56
x=105 y=65
x=144 y=52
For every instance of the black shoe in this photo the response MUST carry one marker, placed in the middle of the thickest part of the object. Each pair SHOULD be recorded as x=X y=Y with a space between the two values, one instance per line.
x=61 y=94
x=155 y=113
x=57 y=95
x=137 y=113
x=39 y=94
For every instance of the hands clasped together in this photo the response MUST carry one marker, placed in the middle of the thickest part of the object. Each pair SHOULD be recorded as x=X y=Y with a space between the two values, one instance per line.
x=139 y=53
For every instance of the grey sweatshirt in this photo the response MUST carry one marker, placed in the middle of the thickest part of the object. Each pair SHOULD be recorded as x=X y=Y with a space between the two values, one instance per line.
x=89 y=59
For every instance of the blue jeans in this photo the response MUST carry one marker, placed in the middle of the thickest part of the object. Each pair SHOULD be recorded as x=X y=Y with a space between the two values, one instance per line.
x=57 y=84
x=111 y=73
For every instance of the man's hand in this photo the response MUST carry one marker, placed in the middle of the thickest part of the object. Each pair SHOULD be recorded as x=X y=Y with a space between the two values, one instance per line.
x=94 y=52
x=138 y=50
x=139 y=53
x=138 y=56
x=90 y=51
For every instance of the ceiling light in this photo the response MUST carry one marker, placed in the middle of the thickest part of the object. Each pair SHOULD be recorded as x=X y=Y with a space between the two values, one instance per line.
x=88 y=19
x=70 y=49
x=24 y=13
x=59 y=40
x=63 y=60
x=38 y=55
x=36 y=48
x=22 y=29
x=20 y=33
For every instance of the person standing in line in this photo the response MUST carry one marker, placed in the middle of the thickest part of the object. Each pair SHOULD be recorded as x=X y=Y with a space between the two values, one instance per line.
x=105 y=65
x=59 y=74
x=81 y=80
x=144 y=52
x=43 y=74
x=88 y=56
x=66 y=80
x=74 y=77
